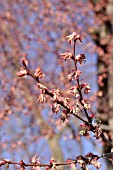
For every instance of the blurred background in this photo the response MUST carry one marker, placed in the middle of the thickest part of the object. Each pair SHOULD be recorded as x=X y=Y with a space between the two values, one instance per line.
x=36 y=30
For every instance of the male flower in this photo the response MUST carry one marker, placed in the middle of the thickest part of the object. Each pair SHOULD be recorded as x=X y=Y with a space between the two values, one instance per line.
x=38 y=73
x=77 y=74
x=75 y=91
x=41 y=98
x=67 y=56
x=22 y=73
x=86 y=87
x=74 y=37
x=81 y=58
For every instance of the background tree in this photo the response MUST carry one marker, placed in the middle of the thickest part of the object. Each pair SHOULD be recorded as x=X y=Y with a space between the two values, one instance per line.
x=36 y=31
x=103 y=37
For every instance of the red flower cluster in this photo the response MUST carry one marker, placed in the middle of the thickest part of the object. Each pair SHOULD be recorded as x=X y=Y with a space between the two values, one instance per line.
x=56 y=94
x=41 y=98
x=55 y=107
x=42 y=87
x=64 y=115
x=75 y=91
x=86 y=104
x=86 y=87
x=75 y=109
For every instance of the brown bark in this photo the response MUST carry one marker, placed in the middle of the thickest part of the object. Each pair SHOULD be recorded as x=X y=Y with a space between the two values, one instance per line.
x=104 y=40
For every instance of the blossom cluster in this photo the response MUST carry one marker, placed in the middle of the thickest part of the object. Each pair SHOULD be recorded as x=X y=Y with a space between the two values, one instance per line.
x=38 y=73
x=74 y=37
x=62 y=105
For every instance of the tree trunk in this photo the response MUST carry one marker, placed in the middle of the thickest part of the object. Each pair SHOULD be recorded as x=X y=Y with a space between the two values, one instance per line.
x=104 y=40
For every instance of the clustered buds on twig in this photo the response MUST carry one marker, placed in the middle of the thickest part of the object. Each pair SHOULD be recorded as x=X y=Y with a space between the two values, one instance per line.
x=38 y=73
x=22 y=73
x=74 y=37
x=61 y=102
x=81 y=58
x=67 y=56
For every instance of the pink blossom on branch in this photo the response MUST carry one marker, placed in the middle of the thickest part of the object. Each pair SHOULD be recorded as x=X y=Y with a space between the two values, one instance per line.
x=22 y=73
x=65 y=101
x=42 y=87
x=74 y=75
x=55 y=107
x=53 y=163
x=75 y=91
x=70 y=76
x=81 y=58
x=67 y=56
x=75 y=109
x=73 y=166
x=36 y=160
x=77 y=74
x=65 y=115
x=74 y=37
x=56 y=94
x=86 y=104
x=95 y=163
x=24 y=62
x=41 y=98
x=38 y=73
x=86 y=87
x=61 y=102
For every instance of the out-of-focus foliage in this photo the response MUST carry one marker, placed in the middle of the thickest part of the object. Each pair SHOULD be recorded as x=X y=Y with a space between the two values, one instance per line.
x=36 y=30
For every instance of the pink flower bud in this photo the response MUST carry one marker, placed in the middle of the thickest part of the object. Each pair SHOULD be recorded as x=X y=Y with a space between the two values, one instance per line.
x=22 y=73
x=67 y=56
x=74 y=37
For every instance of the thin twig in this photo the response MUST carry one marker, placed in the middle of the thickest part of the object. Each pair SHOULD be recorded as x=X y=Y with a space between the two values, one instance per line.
x=78 y=84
